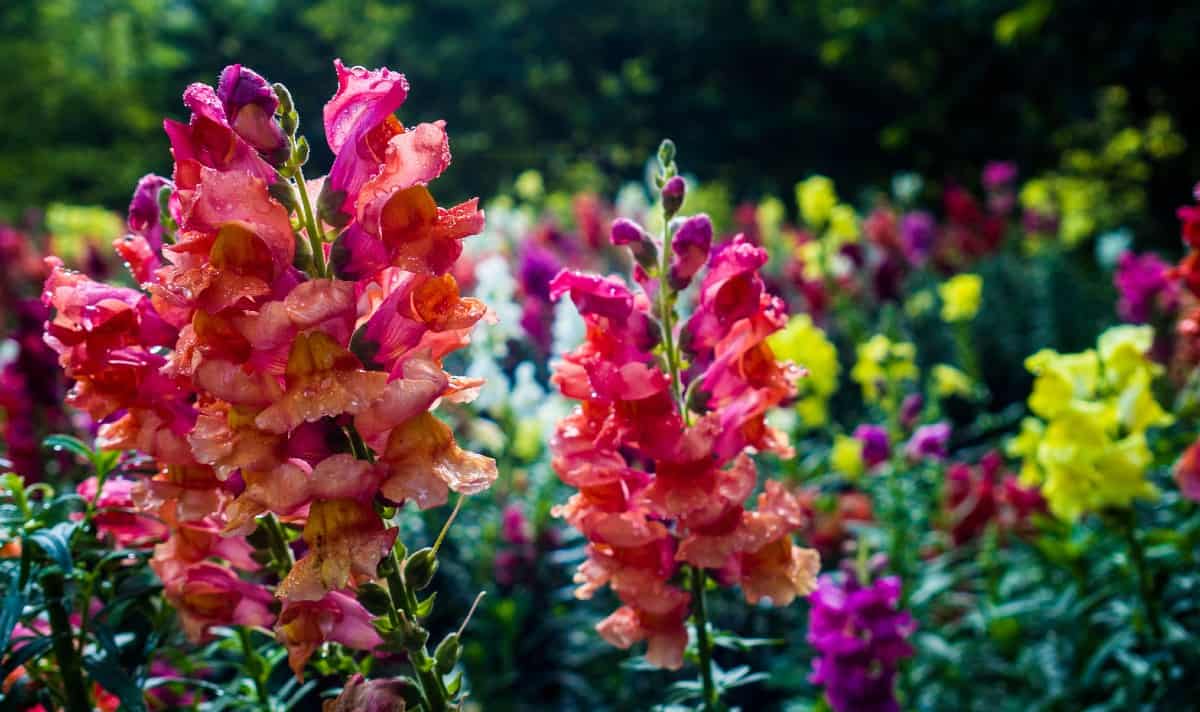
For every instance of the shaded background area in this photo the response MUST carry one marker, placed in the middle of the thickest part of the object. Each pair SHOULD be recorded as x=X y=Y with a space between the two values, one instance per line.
x=757 y=94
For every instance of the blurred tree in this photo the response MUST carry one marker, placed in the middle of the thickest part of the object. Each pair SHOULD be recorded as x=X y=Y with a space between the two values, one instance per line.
x=757 y=94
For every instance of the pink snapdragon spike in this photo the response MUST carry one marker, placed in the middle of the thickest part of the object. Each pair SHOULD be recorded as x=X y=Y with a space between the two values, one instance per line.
x=259 y=383
x=663 y=484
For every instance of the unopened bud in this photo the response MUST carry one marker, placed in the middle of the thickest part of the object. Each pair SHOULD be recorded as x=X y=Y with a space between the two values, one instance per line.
x=374 y=598
x=446 y=655
x=300 y=153
x=672 y=195
x=626 y=232
x=282 y=191
x=689 y=250
x=420 y=568
x=666 y=153
x=286 y=105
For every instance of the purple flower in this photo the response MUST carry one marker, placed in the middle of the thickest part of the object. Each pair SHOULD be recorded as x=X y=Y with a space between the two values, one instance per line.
x=515 y=526
x=861 y=636
x=144 y=218
x=538 y=266
x=929 y=442
x=910 y=409
x=1142 y=285
x=917 y=232
x=998 y=175
x=689 y=250
x=250 y=104
x=626 y=232
x=876 y=448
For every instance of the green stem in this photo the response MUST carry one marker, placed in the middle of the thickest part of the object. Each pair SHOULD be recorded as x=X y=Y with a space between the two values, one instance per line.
x=67 y=657
x=281 y=553
x=703 y=639
x=316 y=236
x=667 y=315
x=433 y=688
x=255 y=667
x=1137 y=555
x=966 y=351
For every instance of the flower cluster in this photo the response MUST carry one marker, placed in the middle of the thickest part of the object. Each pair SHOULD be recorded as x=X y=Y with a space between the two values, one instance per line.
x=31 y=383
x=883 y=364
x=861 y=635
x=269 y=369
x=1086 y=444
x=977 y=495
x=658 y=447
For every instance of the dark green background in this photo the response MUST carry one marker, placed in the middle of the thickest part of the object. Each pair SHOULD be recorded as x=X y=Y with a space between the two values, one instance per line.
x=749 y=90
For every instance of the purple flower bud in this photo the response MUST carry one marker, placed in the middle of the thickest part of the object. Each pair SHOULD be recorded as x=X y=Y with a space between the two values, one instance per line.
x=250 y=104
x=689 y=250
x=672 y=194
x=876 y=447
x=910 y=409
x=626 y=232
x=929 y=442
x=144 y=218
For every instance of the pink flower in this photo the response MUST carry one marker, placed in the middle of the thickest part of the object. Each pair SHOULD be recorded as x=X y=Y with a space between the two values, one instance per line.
x=116 y=516
x=207 y=594
x=304 y=625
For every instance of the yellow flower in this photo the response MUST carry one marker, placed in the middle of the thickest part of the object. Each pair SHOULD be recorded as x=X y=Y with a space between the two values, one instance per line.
x=810 y=255
x=880 y=361
x=919 y=304
x=1123 y=352
x=843 y=225
x=816 y=198
x=805 y=344
x=961 y=296
x=949 y=381
x=1087 y=447
x=846 y=456
x=1060 y=379
x=529 y=185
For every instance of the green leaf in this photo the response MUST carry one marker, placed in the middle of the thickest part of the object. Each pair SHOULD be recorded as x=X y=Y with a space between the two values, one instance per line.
x=424 y=608
x=56 y=543
x=114 y=679
x=14 y=602
x=70 y=444
x=31 y=650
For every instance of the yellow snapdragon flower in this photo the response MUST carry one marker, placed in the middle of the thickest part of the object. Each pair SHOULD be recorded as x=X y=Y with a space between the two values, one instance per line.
x=961 y=296
x=846 y=456
x=1087 y=447
x=816 y=198
x=805 y=344
x=949 y=381
x=881 y=361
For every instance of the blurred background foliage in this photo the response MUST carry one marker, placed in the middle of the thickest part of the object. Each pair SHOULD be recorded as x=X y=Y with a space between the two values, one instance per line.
x=758 y=93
